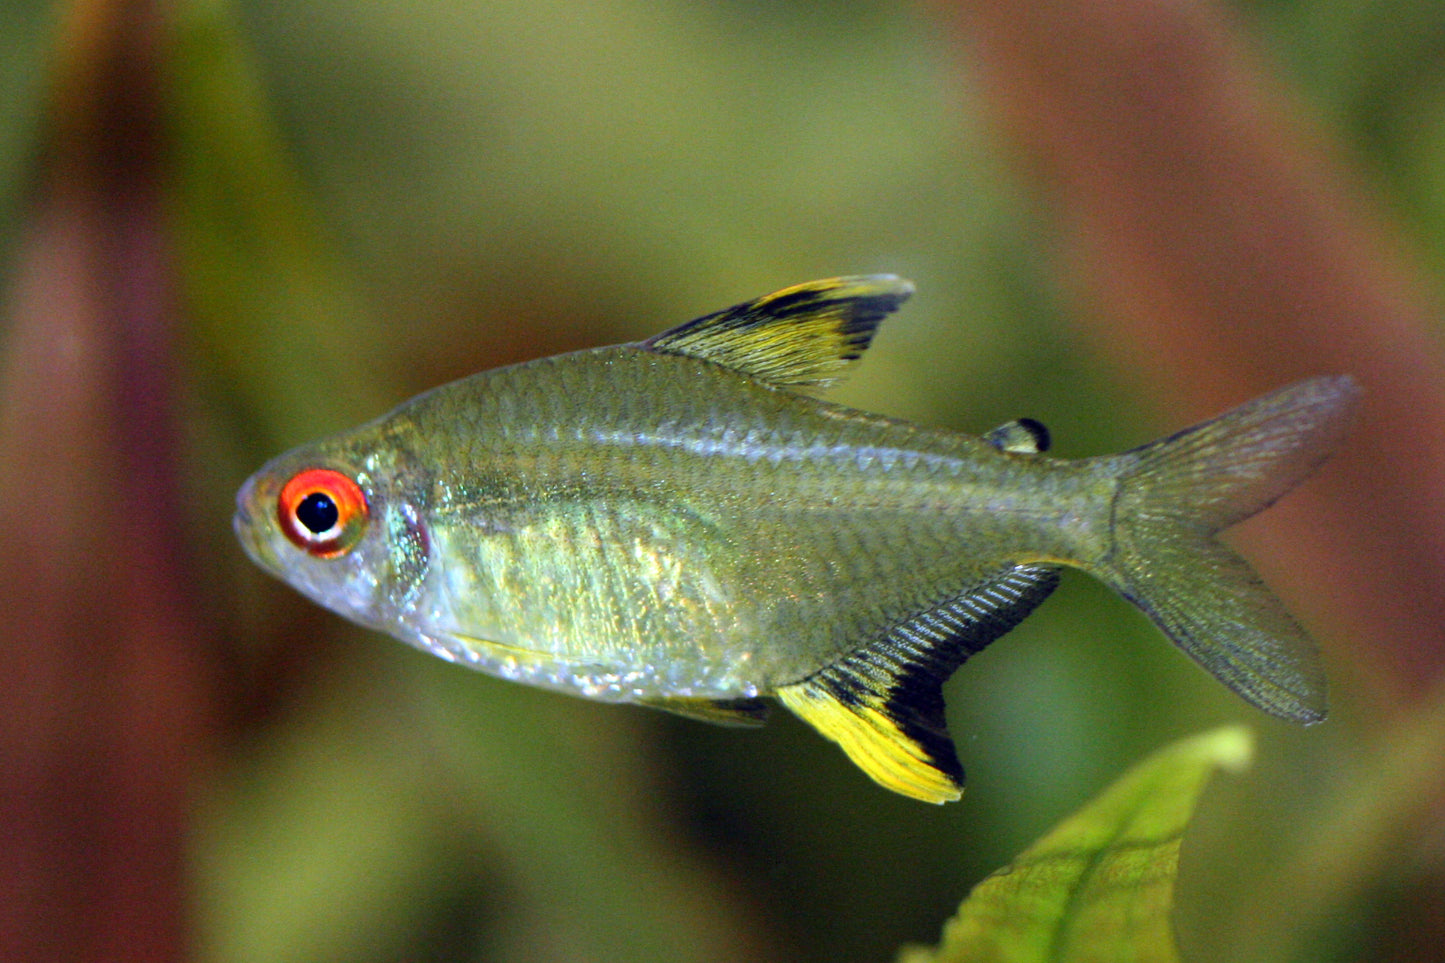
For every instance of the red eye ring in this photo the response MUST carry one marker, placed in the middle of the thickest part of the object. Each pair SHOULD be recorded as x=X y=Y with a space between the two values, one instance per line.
x=322 y=511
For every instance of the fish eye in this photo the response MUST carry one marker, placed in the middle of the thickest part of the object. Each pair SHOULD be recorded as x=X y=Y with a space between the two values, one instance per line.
x=322 y=512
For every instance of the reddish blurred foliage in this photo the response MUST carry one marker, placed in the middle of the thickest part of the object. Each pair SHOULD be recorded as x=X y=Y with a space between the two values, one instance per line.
x=1224 y=249
x=106 y=718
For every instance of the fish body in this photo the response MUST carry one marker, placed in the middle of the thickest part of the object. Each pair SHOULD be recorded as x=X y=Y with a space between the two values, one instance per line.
x=679 y=523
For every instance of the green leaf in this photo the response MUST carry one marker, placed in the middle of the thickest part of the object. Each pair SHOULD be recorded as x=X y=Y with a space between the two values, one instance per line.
x=1100 y=885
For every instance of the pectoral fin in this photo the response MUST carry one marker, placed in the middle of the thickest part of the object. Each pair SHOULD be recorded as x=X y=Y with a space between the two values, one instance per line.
x=723 y=712
x=883 y=703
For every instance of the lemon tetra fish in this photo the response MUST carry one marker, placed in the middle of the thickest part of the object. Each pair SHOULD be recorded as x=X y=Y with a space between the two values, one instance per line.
x=680 y=523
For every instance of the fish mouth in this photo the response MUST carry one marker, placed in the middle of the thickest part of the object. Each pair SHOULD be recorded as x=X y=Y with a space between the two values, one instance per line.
x=251 y=536
x=241 y=521
x=241 y=524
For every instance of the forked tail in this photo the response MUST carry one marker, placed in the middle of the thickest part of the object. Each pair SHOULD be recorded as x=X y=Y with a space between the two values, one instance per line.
x=1176 y=494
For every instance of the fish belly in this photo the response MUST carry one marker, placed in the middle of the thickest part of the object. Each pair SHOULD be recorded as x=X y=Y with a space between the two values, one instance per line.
x=624 y=597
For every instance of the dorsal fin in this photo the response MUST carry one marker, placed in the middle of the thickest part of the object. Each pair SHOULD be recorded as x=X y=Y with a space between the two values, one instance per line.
x=883 y=703
x=1024 y=436
x=723 y=712
x=800 y=337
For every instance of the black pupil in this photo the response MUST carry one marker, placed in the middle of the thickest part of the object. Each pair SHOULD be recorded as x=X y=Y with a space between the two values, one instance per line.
x=318 y=513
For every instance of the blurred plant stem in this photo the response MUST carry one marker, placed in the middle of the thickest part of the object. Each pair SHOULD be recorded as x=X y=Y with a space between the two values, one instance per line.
x=1352 y=839
x=1224 y=251
x=107 y=712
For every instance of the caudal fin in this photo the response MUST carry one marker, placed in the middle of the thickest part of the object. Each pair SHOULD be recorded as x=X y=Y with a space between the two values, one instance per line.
x=1176 y=494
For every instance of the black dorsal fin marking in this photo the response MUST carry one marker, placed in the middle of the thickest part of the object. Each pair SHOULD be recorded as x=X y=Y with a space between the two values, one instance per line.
x=723 y=712
x=800 y=337
x=883 y=703
x=1024 y=436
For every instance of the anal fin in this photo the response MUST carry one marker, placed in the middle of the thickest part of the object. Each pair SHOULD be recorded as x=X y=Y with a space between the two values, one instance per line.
x=723 y=712
x=883 y=703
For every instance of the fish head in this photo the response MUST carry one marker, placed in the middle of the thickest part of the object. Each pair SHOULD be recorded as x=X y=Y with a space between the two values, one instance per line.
x=340 y=527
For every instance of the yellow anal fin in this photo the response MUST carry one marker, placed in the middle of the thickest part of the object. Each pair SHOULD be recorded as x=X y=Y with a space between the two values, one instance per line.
x=800 y=337
x=723 y=712
x=883 y=703
x=878 y=744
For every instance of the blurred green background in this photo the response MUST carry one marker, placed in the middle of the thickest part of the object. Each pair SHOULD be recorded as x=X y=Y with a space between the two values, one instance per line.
x=365 y=200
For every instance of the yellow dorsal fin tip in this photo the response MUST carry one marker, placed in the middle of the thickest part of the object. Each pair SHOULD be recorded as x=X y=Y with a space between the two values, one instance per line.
x=803 y=336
